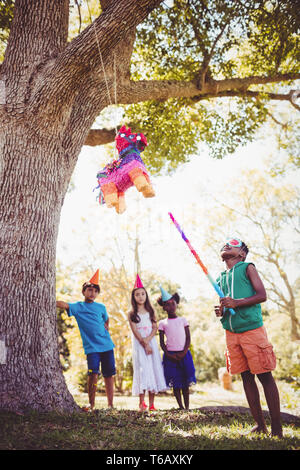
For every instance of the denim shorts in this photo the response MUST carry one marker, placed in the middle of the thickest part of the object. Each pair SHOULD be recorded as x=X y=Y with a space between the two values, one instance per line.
x=107 y=360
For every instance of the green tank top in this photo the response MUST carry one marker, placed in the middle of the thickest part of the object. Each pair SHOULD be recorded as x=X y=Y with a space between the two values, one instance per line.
x=235 y=283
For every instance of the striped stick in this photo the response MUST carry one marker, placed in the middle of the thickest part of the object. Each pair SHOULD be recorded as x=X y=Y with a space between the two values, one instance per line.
x=204 y=269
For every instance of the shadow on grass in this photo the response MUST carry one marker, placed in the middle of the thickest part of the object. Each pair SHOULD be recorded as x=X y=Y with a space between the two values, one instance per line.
x=131 y=430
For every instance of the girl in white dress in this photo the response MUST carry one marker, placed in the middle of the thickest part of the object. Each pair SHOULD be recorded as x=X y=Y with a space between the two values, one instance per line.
x=148 y=374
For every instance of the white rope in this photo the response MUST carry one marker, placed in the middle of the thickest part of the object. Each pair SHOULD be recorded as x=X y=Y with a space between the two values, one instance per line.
x=115 y=78
x=102 y=64
x=115 y=86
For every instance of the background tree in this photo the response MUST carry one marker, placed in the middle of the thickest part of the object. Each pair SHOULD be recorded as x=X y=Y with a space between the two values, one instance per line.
x=267 y=210
x=52 y=91
x=275 y=215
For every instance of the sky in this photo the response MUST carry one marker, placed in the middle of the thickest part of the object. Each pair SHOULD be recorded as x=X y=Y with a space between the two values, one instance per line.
x=93 y=235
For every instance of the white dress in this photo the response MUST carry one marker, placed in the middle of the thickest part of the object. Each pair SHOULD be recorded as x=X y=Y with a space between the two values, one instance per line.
x=148 y=374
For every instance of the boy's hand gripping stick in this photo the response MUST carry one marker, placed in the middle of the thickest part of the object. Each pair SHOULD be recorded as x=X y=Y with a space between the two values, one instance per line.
x=211 y=280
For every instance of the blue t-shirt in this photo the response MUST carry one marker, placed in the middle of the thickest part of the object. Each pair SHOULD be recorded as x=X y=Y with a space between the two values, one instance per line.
x=91 y=318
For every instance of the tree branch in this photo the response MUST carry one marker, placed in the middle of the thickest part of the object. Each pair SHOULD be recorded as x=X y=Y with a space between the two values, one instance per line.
x=134 y=92
x=294 y=95
x=282 y=124
x=253 y=94
x=79 y=15
x=87 y=53
x=207 y=58
x=100 y=137
x=273 y=288
x=113 y=24
x=144 y=90
x=38 y=33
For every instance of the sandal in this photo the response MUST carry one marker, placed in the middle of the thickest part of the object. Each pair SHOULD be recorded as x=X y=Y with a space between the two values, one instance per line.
x=87 y=409
x=152 y=408
x=143 y=406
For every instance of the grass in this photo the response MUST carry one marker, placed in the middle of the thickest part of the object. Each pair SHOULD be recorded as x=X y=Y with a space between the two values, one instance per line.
x=124 y=428
x=131 y=430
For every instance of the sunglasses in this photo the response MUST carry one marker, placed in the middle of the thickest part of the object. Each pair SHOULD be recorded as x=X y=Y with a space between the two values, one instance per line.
x=234 y=242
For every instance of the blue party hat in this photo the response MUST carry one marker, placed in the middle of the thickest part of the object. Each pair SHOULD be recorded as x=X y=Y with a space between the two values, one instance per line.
x=164 y=294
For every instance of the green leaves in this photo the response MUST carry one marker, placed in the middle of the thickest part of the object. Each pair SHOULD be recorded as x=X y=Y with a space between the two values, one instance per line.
x=210 y=40
x=203 y=41
x=6 y=15
x=170 y=131
x=175 y=128
x=193 y=32
x=224 y=131
x=273 y=37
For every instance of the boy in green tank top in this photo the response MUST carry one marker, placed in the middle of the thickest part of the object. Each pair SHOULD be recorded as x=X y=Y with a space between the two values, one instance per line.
x=249 y=352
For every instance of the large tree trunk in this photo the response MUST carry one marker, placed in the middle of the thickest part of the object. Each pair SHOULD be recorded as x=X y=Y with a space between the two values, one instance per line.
x=53 y=92
x=32 y=192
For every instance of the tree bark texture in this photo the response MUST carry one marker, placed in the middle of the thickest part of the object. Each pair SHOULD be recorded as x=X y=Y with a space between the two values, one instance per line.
x=53 y=92
x=31 y=198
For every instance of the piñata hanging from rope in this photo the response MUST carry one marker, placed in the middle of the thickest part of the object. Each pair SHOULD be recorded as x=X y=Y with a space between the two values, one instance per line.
x=128 y=170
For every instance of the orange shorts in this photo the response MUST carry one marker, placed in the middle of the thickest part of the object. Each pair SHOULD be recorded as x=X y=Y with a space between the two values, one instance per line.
x=250 y=350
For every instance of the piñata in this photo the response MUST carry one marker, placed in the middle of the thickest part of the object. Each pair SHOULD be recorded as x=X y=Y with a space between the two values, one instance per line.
x=128 y=170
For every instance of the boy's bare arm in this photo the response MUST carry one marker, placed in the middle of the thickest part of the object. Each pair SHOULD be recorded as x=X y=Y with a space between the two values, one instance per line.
x=62 y=304
x=257 y=283
x=259 y=296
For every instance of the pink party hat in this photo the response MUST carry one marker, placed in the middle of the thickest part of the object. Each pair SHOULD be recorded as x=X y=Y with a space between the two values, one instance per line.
x=138 y=283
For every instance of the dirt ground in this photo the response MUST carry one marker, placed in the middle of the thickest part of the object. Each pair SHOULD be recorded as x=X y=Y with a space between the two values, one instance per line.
x=210 y=394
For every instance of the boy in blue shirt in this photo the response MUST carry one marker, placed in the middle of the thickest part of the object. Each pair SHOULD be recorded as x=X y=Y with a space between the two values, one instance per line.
x=93 y=322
